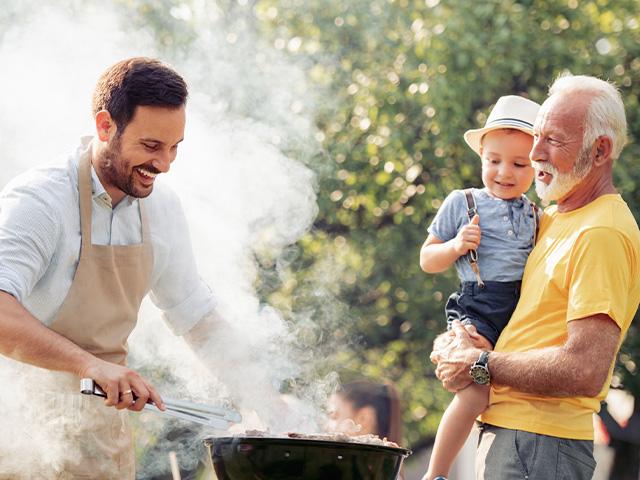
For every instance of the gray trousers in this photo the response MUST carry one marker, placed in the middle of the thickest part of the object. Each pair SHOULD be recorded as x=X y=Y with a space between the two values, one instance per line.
x=505 y=454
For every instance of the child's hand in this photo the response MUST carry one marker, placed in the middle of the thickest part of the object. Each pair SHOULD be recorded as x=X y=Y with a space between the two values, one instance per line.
x=468 y=237
x=478 y=340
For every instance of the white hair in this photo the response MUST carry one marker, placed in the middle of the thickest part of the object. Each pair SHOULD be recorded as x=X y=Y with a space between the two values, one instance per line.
x=605 y=114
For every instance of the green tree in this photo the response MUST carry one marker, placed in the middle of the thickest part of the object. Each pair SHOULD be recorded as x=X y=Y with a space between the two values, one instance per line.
x=401 y=81
x=396 y=83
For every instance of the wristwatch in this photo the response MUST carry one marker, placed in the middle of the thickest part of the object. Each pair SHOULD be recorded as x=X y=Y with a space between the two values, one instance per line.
x=479 y=371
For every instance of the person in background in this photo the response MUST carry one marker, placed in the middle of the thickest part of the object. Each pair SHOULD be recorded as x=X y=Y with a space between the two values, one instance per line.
x=363 y=407
x=506 y=220
x=624 y=439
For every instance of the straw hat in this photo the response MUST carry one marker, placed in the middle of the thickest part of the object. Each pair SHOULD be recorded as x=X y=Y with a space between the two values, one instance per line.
x=510 y=111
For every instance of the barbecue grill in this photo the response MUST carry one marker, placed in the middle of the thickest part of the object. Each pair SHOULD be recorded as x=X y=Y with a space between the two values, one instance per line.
x=260 y=458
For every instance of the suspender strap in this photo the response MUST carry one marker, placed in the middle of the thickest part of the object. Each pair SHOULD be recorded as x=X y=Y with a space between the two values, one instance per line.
x=472 y=255
x=536 y=220
x=472 y=210
x=471 y=203
x=535 y=210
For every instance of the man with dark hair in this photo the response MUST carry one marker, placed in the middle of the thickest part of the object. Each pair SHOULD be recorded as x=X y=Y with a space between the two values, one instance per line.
x=137 y=82
x=81 y=244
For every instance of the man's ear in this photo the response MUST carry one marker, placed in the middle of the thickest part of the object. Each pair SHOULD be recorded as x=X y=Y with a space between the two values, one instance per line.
x=105 y=126
x=604 y=148
x=366 y=417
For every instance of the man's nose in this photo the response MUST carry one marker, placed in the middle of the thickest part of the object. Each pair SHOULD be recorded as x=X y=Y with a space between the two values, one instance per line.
x=537 y=153
x=163 y=161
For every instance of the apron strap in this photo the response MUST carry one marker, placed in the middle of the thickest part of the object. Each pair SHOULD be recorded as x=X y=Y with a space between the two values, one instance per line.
x=146 y=236
x=84 y=188
x=86 y=203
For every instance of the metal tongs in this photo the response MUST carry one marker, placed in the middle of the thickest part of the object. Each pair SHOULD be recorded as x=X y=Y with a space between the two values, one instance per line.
x=208 y=415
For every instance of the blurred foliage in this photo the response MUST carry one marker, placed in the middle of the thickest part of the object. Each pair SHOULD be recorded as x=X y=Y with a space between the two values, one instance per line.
x=400 y=81
x=396 y=83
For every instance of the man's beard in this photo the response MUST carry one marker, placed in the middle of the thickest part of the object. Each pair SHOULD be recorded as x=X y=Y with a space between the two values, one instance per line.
x=116 y=170
x=562 y=183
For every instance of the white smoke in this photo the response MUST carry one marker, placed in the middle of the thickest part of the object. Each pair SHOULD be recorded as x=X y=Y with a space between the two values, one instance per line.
x=243 y=191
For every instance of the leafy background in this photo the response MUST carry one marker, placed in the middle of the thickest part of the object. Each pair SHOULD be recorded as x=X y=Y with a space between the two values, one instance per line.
x=393 y=85
x=405 y=79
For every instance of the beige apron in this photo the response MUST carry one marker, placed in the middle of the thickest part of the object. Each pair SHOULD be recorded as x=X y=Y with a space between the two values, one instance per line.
x=98 y=314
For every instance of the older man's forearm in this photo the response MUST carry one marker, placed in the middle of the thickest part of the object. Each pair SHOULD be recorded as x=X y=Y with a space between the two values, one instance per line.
x=578 y=368
x=546 y=372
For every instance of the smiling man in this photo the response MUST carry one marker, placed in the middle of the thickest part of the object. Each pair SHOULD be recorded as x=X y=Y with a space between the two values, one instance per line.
x=127 y=162
x=81 y=244
x=552 y=364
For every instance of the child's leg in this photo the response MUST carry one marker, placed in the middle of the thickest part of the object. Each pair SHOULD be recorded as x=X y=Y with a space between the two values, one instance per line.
x=454 y=428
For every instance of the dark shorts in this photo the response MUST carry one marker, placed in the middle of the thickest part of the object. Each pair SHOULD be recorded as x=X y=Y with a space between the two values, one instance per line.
x=488 y=309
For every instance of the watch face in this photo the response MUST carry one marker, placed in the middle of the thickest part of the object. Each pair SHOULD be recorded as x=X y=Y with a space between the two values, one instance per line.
x=480 y=374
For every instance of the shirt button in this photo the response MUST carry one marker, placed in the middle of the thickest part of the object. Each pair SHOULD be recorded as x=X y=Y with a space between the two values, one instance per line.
x=510 y=232
x=505 y=218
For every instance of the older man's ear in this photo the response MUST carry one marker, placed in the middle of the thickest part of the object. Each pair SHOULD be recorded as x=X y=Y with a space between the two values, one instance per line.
x=604 y=148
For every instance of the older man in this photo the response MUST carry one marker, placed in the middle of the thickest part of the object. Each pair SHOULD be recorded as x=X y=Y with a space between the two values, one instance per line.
x=581 y=287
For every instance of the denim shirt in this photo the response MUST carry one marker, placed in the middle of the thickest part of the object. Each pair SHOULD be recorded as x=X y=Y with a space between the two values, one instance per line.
x=507 y=234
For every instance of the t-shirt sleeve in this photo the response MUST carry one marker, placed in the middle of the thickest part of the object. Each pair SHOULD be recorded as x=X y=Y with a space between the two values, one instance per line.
x=179 y=291
x=29 y=231
x=450 y=217
x=600 y=270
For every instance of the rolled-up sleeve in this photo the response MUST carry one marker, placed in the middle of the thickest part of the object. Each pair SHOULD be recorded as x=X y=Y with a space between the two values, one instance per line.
x=179 y=291
x=29 y=231
x=184 y=316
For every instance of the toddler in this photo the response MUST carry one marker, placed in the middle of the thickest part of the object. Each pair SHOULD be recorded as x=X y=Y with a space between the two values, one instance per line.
x=488 y=234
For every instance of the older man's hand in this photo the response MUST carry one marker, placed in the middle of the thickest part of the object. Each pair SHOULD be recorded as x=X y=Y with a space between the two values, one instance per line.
x=454 y=358
x=440 y=344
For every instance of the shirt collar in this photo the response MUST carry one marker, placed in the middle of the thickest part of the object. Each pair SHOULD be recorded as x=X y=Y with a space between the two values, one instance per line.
x=99 y=194
x=516 y=202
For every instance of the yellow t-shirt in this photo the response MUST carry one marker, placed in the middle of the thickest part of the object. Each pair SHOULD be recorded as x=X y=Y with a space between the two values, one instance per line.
x=585 y=262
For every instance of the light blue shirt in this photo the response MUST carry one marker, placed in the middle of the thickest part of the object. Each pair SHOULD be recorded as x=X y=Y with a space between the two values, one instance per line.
x=507 y=234
x=40 y=242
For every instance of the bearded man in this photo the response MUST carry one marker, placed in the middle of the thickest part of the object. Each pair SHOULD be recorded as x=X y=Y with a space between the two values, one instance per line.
x=552 y=364
x=81 y=244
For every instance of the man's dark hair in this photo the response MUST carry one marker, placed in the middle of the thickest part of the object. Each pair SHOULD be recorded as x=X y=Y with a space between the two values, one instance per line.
x=134 y=82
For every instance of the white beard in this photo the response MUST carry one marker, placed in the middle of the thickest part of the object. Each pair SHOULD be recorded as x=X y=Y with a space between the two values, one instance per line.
x=561 y=183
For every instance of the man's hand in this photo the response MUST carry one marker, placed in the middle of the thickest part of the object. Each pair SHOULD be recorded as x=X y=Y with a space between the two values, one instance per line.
x=24 y=338
x=440 y=344
x=468 y=238
x=443 y=340
x=455 y=359
x=121 y=384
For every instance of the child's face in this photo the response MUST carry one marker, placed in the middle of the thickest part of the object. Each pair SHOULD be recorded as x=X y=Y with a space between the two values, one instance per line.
x=506 y=169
